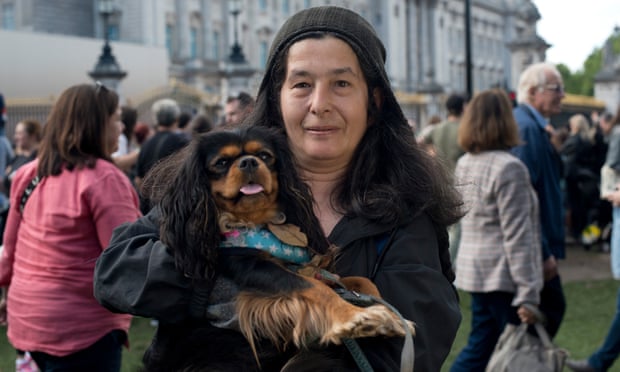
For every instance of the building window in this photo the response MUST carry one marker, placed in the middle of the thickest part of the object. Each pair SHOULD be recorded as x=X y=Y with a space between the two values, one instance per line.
x=216 y=45
x=307 y=4
x=193 y=43
x=262 y=5
x=264 y=49
x=8 y=17
x=285 y=7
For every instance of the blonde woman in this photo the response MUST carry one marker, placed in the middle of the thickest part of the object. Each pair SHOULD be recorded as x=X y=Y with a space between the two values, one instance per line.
x=582 y=163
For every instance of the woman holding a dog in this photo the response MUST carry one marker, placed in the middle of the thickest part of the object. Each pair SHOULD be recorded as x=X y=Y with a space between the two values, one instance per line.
x=378 y=196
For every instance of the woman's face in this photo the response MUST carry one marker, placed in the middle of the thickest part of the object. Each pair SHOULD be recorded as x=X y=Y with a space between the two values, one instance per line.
x=114 y=129
x=324 y=102
x=20 y=137
x=573 y=123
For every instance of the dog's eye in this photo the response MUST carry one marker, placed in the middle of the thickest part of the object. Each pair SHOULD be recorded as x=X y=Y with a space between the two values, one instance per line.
x=264 y=156
x=222 y=163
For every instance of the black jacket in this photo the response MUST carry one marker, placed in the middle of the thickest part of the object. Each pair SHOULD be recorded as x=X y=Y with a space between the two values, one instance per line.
x=136 y=275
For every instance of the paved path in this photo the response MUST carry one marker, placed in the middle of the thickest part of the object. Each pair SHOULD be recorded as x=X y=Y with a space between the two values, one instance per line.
x=584 y=265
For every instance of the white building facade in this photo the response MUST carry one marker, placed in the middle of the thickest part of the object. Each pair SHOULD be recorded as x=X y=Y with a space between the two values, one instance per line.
x=425 y=39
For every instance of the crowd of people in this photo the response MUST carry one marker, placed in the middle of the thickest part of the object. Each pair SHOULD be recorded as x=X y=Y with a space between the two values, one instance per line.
x=80 y=175
x=477 y=202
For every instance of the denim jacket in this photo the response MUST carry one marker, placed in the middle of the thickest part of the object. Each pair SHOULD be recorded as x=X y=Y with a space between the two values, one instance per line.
x=545 y=167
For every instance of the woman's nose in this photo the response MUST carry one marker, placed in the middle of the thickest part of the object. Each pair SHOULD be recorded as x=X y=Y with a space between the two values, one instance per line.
x=321 y=99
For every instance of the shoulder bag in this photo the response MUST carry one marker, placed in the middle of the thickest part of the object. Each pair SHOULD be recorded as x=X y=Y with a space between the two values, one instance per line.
x=27 y=191
x=517 y=351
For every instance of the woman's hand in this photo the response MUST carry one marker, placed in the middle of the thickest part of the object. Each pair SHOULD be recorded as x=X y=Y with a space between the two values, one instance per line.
x=526 y=315
x=614 y=197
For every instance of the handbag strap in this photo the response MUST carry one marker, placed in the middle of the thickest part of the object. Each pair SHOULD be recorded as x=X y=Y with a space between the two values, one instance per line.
x=27 y=191
x=543 y=335
x=540 y=329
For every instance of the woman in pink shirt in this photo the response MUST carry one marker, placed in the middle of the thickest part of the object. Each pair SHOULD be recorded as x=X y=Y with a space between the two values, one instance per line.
x=54 y=236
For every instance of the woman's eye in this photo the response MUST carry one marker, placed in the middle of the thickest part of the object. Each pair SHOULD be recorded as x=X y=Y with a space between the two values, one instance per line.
x=342 y=83
x=301 y=85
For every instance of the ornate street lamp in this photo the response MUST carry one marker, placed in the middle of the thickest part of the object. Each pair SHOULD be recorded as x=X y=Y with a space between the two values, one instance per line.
x=107 y=70
x=236 y=54
x=235 y=71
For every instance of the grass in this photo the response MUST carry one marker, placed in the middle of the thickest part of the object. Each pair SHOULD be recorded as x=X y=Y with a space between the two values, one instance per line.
x=591 y=306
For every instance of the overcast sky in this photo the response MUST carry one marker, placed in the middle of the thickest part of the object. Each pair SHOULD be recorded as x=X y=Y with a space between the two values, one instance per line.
x=575 y=27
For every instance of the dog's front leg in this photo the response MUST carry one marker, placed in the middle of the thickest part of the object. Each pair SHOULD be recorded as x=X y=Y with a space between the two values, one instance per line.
x=312 y=314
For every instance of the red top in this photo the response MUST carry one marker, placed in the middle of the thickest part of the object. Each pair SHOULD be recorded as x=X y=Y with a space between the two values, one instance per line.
x=50 y=252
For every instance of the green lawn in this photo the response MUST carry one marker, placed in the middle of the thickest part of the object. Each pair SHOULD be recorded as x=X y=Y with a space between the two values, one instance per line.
x=591 y=305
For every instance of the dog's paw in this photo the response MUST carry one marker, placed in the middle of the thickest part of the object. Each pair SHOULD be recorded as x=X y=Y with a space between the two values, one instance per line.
x=376 y=320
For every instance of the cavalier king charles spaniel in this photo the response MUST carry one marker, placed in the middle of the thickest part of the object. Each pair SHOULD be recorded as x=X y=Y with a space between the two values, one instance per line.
x=240 y=221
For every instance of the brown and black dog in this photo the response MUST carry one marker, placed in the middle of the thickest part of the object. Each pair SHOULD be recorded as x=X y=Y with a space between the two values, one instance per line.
x=234 y=211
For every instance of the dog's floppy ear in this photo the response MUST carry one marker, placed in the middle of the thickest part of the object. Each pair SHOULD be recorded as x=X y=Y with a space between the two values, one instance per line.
x=295 y=197
x=180 y=187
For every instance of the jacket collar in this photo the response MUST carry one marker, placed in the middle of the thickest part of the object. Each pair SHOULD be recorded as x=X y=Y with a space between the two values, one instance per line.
x=538 y=118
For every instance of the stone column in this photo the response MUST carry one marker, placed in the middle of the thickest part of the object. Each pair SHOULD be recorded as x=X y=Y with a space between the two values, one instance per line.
x=207 y=39
x=182 y=26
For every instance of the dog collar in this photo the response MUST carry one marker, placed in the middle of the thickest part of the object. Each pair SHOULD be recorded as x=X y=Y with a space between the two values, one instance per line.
x=264 y=240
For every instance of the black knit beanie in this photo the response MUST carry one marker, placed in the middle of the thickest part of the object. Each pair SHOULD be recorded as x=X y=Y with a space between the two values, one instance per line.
x=341 y=22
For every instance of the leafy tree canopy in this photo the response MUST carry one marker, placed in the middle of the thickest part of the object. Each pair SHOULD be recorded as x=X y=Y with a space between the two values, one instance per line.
x=582 y=81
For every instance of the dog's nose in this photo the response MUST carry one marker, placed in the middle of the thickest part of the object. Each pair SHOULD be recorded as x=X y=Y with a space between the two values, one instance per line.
x=248 y=164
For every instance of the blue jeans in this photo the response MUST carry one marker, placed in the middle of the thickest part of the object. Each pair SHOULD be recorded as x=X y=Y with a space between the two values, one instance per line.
x=615 y=243
x=605 y=356
x=489 y=314
x=102 y=356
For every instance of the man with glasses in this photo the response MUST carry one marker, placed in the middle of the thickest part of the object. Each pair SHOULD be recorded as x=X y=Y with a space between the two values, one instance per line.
x=539 y=95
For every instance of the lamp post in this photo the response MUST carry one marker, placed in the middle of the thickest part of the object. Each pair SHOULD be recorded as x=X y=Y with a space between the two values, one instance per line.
x=236 y=54
x=468 y=64
x=107 y=70
x=235 y=71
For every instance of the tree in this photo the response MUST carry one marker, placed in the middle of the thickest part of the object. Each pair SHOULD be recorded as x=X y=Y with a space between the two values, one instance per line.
x=582 y=81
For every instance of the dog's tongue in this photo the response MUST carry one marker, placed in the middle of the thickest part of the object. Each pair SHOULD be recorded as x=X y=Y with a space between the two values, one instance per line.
x=251 y=189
